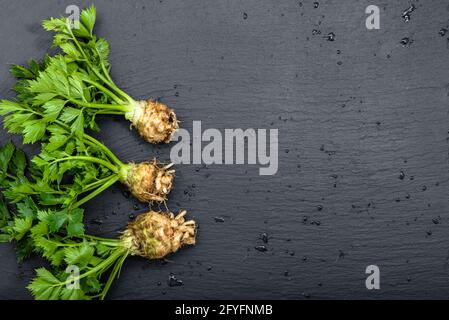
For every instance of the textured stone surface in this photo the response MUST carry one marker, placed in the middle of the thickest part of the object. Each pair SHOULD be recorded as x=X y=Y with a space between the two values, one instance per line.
x=352 y=114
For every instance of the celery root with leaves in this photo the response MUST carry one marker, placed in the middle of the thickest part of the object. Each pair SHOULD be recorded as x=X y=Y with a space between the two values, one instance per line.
x=57 y=234
x=84 y=82
x=91 y=166
x=152 y=235
x=67 y=149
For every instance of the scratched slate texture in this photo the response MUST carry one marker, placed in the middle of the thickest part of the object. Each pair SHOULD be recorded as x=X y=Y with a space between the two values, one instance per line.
x=352 y=114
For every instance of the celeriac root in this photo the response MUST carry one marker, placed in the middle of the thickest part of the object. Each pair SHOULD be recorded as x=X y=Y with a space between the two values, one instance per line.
x=154 y=235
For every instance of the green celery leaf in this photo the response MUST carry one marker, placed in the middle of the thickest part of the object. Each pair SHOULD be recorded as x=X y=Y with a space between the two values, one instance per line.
x=7 y=106
x=53 y=108
x=102 y=47
x=57 y=220
x=6 y=154
x=24 y=248
x=18 y=164
x=22 y=226
x=88 y=17
x=75 y=227
x=45 y=286
x=34 y=130
x=92 y=284
x=69 y=114
x=79 y=256
x=21 y=72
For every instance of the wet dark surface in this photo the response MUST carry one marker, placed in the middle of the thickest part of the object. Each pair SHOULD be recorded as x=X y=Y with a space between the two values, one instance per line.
x=363 y=143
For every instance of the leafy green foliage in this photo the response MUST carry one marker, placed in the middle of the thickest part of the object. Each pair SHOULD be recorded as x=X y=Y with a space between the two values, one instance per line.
x=26 y=196
x=56 y=100
x=59 y=125
x=6 y=154
x=89 y=257
x=12 y=169
x=38 y=223
x=68 y=88
x=46 y=286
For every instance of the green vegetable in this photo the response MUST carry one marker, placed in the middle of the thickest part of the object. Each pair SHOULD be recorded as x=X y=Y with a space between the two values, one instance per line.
x=18 y=214
x=58 y=235
x=80 y=83
x=93 y=168
x=68 y=150
x=57 y=100
x=152 y=235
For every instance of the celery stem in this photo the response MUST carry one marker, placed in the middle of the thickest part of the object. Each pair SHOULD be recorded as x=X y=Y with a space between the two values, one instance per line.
x=110 y=83
x=93 y=185
x=104 y=265
x=105 y=149
x=118 y=107
x=113 y=275
x=89 y=159
x=112 y=180
x=105 y=90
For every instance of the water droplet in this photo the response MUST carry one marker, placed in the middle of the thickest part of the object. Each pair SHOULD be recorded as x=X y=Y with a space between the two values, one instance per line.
x=264 y=237
x=319 y=207
x=330 y=36
x=401 y=175
x=406 y=13
x=173 y=281
x=136 y=207
x=442 y=32
x=219 y=219
x=316 y=4
x=261 y=248
x=405 y=41
x=131 y=216
x=315 y=32
x=424 y=188
x=245 y=16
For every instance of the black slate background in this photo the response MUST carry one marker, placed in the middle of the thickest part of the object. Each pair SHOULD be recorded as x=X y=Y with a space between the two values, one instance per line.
x=346 y=131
